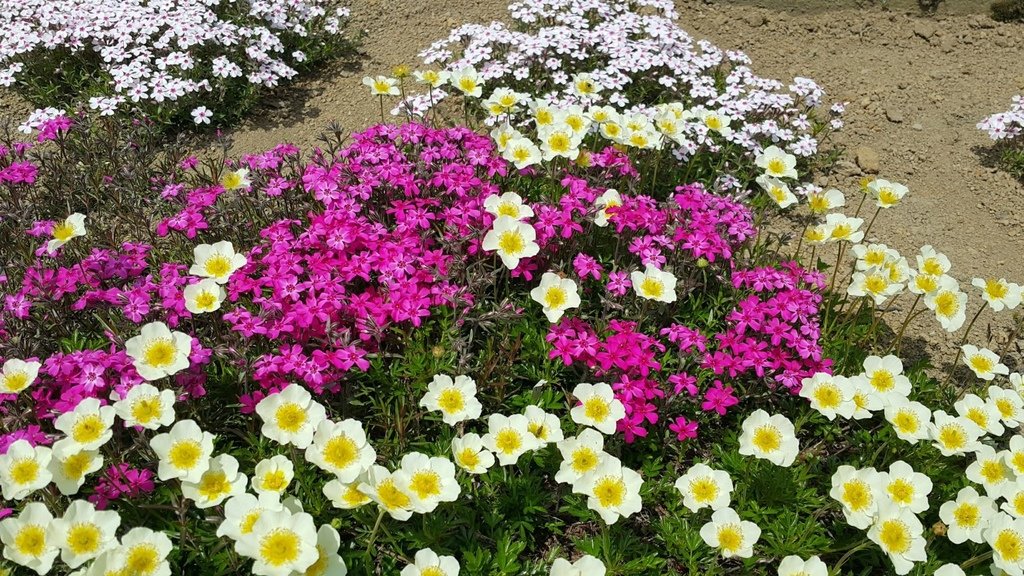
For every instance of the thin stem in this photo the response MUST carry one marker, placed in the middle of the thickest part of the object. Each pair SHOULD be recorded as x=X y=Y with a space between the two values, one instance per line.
x=910 y=316
x=959 y=348
x=373 y=534
x=851 y=552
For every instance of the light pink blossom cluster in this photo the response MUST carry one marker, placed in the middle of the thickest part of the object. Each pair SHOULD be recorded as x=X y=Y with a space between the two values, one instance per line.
x=1005 y=125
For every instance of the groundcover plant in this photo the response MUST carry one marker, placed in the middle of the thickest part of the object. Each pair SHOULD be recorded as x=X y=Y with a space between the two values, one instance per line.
x=1005 y=129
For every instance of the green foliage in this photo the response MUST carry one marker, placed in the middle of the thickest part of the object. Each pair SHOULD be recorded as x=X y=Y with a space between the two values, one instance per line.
x=1008 y=10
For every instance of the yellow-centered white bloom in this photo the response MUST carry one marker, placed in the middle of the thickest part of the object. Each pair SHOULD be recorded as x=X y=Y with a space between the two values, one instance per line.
x=431 y=481
x=931 y=262
x=776 y=162
x=584 y=85
x=609 y=199
x=146 y=406
x=87 y=427
x=968 y=516
x=382 y=85
x=830 y=395
x=602 y=114
x=432 y=78
x=467 y=81
x=954 y=436
x=817 y=235
x=873 y=255
x=910 y=420
x=587 y=565
x=203 y=296
x=454 y=398
x=866 y=401
x=508 y=437
x=998 y=293
x=503 y=134
x=950 y=570
x=143 y=552
x=220 y=481
x=597 y=408
x=341 y=448
x=859 y=492
x=1008 y=404
x=991 y=471
x=235 y=179
x=705 y=487
x=797 y=566
x=921 y=283
x=885 y=376
x=770 y=438
x=1014 y=505
x=390 y=490
x=25 y=540
x=83 y=532
x=716 y=121
x=328 y=562
x=522 y=152
x=346 y=496
x=69 y=469
x=290 y=416
x=985 y=415
x=1005 y=535
x=1015 y=455
x=874 y=283
x=581 y=454
x=469 y=453
x=777 y=190
x=843 y=228
x=503 y=100
x=508 y=204
x=654 y=284
x=24 y=468
x=426 y=562
x=948 y=303
x=512 y=240
x=17 y=375
x=612 y=490
x=72 y=227
x=821 y=202
x=983 y=362
x=556 y=295
x=281 y=542
x=158 y=352
x=899 y=534
x=184 y=451
x=273 y=475
x=241 y=513
x=559 y=141
x=731 y=536
x=904 y=487
x=886 y=194
x=545 y=427
x=216 y=261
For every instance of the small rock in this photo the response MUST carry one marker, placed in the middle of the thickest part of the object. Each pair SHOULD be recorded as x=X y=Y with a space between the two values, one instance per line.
x=846 y=168
x=894 y=115
x=917 y=126
x=867 y=159
x=924 y=29
x=755 y=20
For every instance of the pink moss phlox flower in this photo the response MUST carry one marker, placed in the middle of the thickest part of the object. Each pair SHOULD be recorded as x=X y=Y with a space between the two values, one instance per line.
x=121 y=481
x=684 y=429
x=719 y=398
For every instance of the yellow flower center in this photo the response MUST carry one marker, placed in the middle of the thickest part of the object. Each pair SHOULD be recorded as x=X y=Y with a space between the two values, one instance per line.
x=652 y=287
x=555 y=297
x=467 y=84
x=206 y=300
x=982 y=364
x=340 y=452
x=249 y=521
x=508 y=441
x=860 y=400
x=159 y=352
x=967 y=515
x=776 y=166
x=74 y=466
x=932 y=267
x=88 y=428
x=704 y=489
x=713 y=122
x=31 y=540
x=275 y=481
x=882 y=380
x=906 y=422
x=290 y=417
x=24 y=471
x=584 y=86
x=217 y=266
x=895 y=536
x=231 y=180
x=639 y=139
x=521 y=154
x=141 y=559
x=828 y=396
x=559 y=142
x=901 y=491
x=508 y=209
x=857 y=495
x=391 y=497
x=214 y=485
x=381 y=86
x=818 y=204
x=451 y=401
x=469 y=458
x=63 y=231
x=319 y=567
x=888 y=197
x=875 y=284
x=767 y=438
x=575 y=122
x=926 y=282
x=995 y=289
x=354 y=497
x=83 y=539
x=730 y=538
x=584 y=459
x=612 y=130
x=993 y=471
x=511 y=242
x=842 y=231
x=425 y=484
x=596 y=409
x=538 y=430
x=1009 y=545
x=610 y=491
x=815 y=234
x=184 y=454
x=1017 y=461
x=978 y=416
x=14 y=382
x=543 y=116
x=1006 y=408
x=952 y=436
x=146 y=409
x=432 y=571
x=947 y=304
x=1018 y=503
x=279 y=547
x=778 y=194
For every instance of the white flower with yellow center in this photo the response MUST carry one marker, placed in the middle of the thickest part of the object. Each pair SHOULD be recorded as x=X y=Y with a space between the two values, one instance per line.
x=431 y=481
x=281 y=542
x=146 y=406
x=69 y=469
x=290 y=416
x=17 y=375
x=886 y=194
x=454 y=398
x=581 y=455
x=716 y=121
x=341 y=449
x=1014 y=505
x=467 y=81
x=87 y=426
x=897 y=270
x=983 y=362
x=432 y=78
x=797 y=566
x=543 y=113
x=1008 y=404
x=559 y=141
x=1005 y=535
x=705 y=487
x=830 y=395
x=544 y=427
x=904 y=487
x=328 y=562
x=83 y=533
x=203 y=296
x=899 y=534
x=932 y=263
x=843 y=228
x=72 y=227
x=584 y=85
x=646 y=139
x=220 y=481
x=382 y=85
x=886 y=378
x=777 y=190
x=991 y=471
x=509 y=437
x=982 y=413
x=1015 y=455
x=770 y=438
x=236 y=179
x=587 y=565
x=866 y=400
x=522 y=152
x=24 y=468
x=654 y=284
x=910 y=420
x=427 y=563
x=875 y=284
x=612 y=490
x=158 y=352
x=613 y=130
x=954 y=436
x=508 y=204
x=968 y=516
x=610 y=198
x=999 y=294
x=273 y=475
x=859 y=492
x=873 y=256
x=821 y=202
x=390 y=490
x=241 y=513
x=345 y=496
x=922 y=284
x=503 y=134
x=602 y=114
x=143 y=552
x=216 y=261
x=776 y=162
x=948 y=303
x=1017 y=381
x=598 y=407
x=556 y=295
x=512 y=240
x=25 y=540
x=732 y=537
x=470 y=455
x=184 y=451
x=503 y=101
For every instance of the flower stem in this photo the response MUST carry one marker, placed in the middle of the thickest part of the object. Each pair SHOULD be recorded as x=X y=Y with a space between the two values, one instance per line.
x=373 y=534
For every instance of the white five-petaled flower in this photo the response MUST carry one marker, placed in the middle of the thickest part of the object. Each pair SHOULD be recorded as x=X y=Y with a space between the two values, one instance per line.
x=217 y=261
x=587 y=565
x=584 y=85
x=83 y=532
x=610 y=198
x=770 y=438
x=184 y=451
x=158 y=352
x=952 y=435
x=598 y=407
x=968 y=516
x=1008 y=404
x=87 y=427
x=777 y=163
x=522 y=152
x=544 y=426
x=831 y=395
x=581 y=454
x=556 y=295
x=25 y=539
x=703 y=486
x=797 y=566
x=341 y=448
x=24 y=469
x=983 y=362
x=732 y=536
x=69 y=469
x=426 y=562
x=654 y=284
x=777 y=190
x=390 y=490
x=470 y=454
x=512 y=239
x=273 y=475
x=911 y=420
x=991 y=471
x=143 y=552
x=290 y=416
x=234 y=180
x=508 y=204
x=220 y=481
x=613 y=490
x=467 y=81
x=1005 y=535
x=509 y=437
x=898 y=532
x=203 y=296
x=346 y=496
x=886 y=378
x=886 y=194
x=281 y=542
x=998 y=293
x=905 y=487
x=948 y=303
x=431 y=481
x=858 y=491
x=17 y=375
x=454 y=398
x=432 y=78
x=982 y=413
x=146 y=406
x=72 y=227
x=381 y=85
